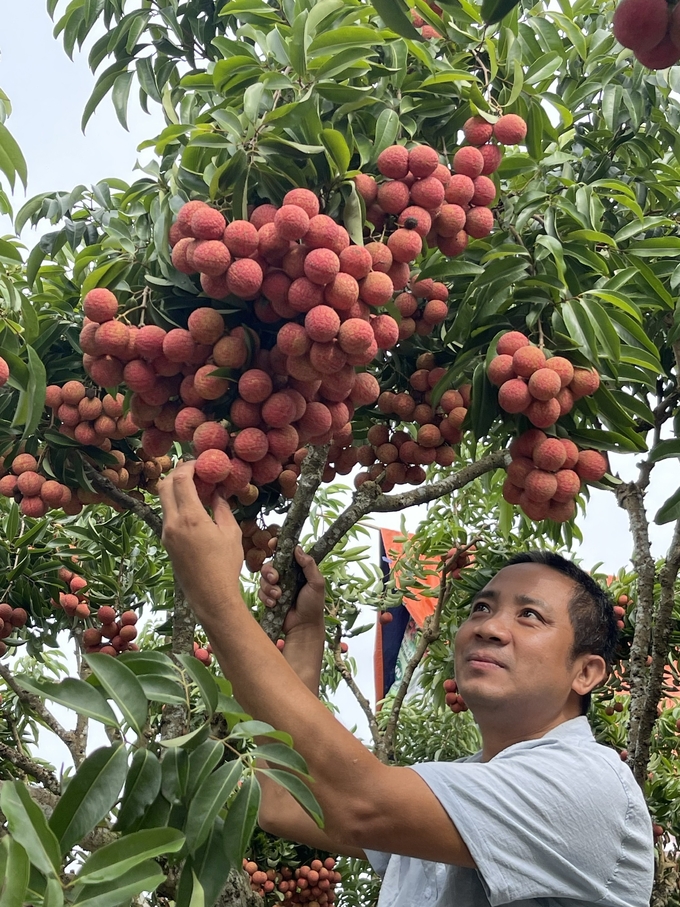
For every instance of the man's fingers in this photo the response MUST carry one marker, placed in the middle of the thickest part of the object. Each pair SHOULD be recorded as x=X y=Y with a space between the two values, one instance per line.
x=272 y=543
x=269 y=574
x=222 y=513
x=309 y=568
x=167 y=498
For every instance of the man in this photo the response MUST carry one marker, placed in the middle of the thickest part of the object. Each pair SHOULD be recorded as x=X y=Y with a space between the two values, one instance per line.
x=541 y=817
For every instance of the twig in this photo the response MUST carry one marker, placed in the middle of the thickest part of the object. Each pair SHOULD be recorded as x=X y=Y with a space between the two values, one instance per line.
x=369 y=499
x=430 y=632
x=139 y=508
x=365 y=705
x=29 y=767
x=290 y=575
x=37 y=705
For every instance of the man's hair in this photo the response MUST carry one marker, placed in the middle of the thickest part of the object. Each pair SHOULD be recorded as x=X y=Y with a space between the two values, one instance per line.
x=591 y=611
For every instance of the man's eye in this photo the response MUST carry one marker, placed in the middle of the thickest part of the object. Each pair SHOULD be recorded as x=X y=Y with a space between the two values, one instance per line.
x=479 y=605
x=531 y=611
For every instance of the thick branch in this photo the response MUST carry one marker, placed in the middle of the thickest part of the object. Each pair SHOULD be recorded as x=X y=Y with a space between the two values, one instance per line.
x=175 y=717
x=661 y=638
x=630 y=497
x=29 y=767
x=38 y=706
x=369 y=499
x=430 y=633
x=139 y=508
x=364 y=704
x=284 y=561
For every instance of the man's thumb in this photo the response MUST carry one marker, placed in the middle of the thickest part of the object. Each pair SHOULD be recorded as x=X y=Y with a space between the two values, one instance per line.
x=309 y=568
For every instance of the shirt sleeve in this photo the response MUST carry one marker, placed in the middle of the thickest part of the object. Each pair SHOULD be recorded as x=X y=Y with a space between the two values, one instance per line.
x=378 y=861
x=542 y=822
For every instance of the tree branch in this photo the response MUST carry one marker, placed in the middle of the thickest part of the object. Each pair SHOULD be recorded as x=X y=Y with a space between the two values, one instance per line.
x=369 y=499
x=29 y=767
x=365 y=705
x=284 y=561
x=139 y=508
x=175 y=717
x=37 y=705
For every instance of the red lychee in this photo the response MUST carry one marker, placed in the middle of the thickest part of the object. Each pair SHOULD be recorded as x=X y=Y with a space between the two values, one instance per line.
x=561 y=512
x=343 y=292
x=303 y=198
x=293 y=340
x=427 y=193
x=244 y=278
x=184 y=215
x=263 y=214
x=528 y=359
x=209 y=435
x=500 y=370
x=278 y=410
x=255 y=386
x=178 y=345
x=435 y=312
x=155 y=442
x=422 y=161
x=468 y=161
x=479 y=222
x=394 y=196
x=568 y=485
x=207 y=223
x=293 y=263
x=566 y=400
x=641 y=24
x=459 y=190
x=562 y=367
x=180 y=256
x=365 y=391
x=303 y=295
x=212 y=257
x=511 y=493
x=667 y=52
x=100 y=305
x=572 y=452
x=206 y=325
x=208 y=385
x=356 y=261
x=241 y=238
x=139 y=376
x=327 y=358
x=544 y=384
x=292 y=221
x=385 y=330
x=523 y=446
x=485 y=191
x=367 y=187
x=149 y=342
x=316 y=420
x=322 y=323
x=230 y=352
x=187 y=421
x=477 y=131
x=450 y=220
x=509 y=343
x=112 y=338
x=212 y=466
x=510 y=129
x=321 y=266
x=393 y=162
x=591 y=466
x=514 y=396
x=543 y=413
x=453 y=245
x=321 y=233
x=405 y=245
x=584 y=383
x=540 y=485
x=245 y=415
x=493 y=156
x=549 y=455
x=376 y=289
x=416 y=218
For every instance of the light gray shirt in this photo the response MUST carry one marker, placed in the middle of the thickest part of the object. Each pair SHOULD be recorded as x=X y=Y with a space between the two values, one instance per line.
x=553 y=822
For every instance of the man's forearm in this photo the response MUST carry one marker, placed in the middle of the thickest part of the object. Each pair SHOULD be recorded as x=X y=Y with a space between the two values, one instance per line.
x=304 y=653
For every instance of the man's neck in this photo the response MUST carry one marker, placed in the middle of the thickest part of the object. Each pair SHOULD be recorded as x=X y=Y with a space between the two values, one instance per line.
x=497 y=737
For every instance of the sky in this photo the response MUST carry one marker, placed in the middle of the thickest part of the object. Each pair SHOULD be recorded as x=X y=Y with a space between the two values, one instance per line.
x=48 y=93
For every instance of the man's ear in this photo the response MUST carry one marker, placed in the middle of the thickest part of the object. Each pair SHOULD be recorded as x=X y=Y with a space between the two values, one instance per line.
x=592 y=671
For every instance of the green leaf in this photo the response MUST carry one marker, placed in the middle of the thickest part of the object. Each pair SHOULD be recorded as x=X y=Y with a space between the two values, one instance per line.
x=120 y=96
x=484 y=408
x=494 y=10
x=117 y=858
x=665 y=449
x=144 y=877
x=395 y=15
x=122 y=687
x=203 y=679
x=282 y=755
x=54 y=894
x=336 y=146
x=15 y=868
x=241 y=821
x=352 y=215
x=189 y=741
x=74 y=694
x=298 y=789
x=142 y=786
x=90 y=795
x=670 y=510
x=161 y=689
x=246 y=730
x=386 y=131
x=28 y=826
x=32 y=400
x=12 y=152
x=208 y=801
x=202 y=761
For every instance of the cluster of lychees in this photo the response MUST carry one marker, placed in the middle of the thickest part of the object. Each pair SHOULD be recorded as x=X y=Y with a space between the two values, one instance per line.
x=651 y=29
x=203 y=653
x=119 y=631
x=399 y=456
x=313 y=885
x=256 y=542
x=10 y=619
x=540 y=387
x=545 y=475
x=35 y=492
x=427 y=31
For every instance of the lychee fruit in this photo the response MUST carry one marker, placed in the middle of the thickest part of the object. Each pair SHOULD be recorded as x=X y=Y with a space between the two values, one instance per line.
x=523 y=446
x=543 y=413
x=250 y=445
x=206 y=325
x=477 y=131
x=385 y=330
x=149 y=342
x=493 y=156
x=562 y=367
x=244 y=279
x=100 y=305
x=303 y=294
x=255 y=386
x=584 y=383
x=422 y=161
x=514 y=396
x=591 y=465
x=540 y=485
x=278 y=410
x=485 y=191
x=366 y=390
x=208 y=385
x=393 y=162
x=568 y=485
x=544 y=384
x=321 y=233
x=640 y=24
x=528 y=359
x=450 y=220
x=178 y=345
x=187 y=421
x=244 y=415
x=459 y=190
x=327 y=358
x=292 y=221
x=666 y=53
x=212 y=257
x=394 y=196
x=303 y=198
x=367 y=187
x=510 y=129
x=405 y=245
x=381 y=257
x=322 y=323
x=356 y=261
x=343 y=292
x=180 y=256
x=427 y=193
x=561 y=512
x=261 y=215
x=321 y=266
x=316 y=420
x=416 y=218
x=500 y=370
x=549 y=455
x=468 y=161
x=453 y=245
x=571 y=453
x=376 y=289
x=212 y=466
x=509 y=343
x=207 y=223
x=479 y=222
x=241 y=238
x=435 y=312
x=292 y=339
x=230 y=352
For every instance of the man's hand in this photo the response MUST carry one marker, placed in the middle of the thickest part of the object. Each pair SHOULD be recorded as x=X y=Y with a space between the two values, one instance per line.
x=207 y=554
x=308 y=611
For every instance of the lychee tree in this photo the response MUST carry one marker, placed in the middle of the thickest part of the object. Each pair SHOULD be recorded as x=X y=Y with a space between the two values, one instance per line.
x=400 y=240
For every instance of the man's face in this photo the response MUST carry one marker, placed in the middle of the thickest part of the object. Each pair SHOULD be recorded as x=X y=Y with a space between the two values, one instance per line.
x=513 y=650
